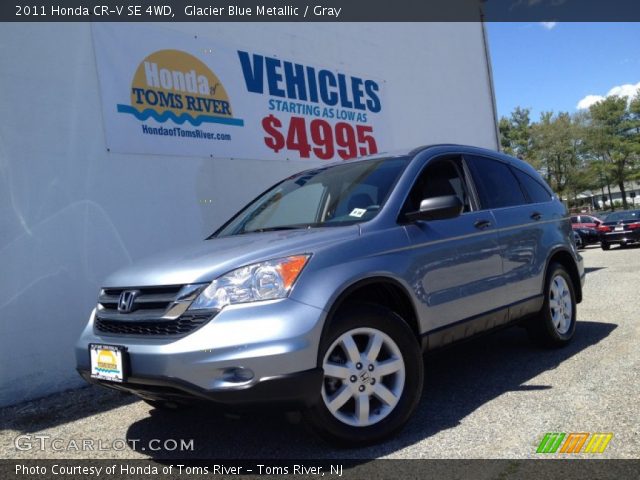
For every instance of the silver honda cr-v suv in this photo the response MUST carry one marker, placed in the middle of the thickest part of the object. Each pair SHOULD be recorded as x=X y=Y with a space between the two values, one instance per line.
x=323 y=292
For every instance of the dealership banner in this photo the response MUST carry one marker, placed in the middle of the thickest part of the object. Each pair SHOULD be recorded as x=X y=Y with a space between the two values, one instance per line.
x=166 y=92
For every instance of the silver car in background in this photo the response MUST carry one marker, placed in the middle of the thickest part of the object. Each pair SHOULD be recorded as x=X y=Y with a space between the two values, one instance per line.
x=323 y=293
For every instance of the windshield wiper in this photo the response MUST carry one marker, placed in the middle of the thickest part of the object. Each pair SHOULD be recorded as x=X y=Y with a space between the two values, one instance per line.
x=275 y=229
x=298 y=226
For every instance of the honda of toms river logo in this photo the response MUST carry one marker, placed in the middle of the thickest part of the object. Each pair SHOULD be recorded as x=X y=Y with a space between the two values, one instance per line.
x=107 y=362
x=174 y=85
x=574 y=442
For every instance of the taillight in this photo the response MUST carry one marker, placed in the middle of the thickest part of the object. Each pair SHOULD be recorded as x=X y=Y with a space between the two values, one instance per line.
x=633 y=226
x=604 y=229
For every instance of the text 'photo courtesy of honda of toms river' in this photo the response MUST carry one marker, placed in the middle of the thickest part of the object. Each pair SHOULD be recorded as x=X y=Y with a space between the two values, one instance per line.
x=323 y=292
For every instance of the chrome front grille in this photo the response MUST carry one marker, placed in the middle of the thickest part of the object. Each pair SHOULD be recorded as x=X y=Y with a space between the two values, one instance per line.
x=149 y=310
x=154 y=300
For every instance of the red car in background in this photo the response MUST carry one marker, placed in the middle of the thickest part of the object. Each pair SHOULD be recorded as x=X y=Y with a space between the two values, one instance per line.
x=585 y=221
x=587 y=227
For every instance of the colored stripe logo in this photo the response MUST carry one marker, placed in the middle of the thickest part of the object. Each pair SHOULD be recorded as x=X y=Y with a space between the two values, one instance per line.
x=574 y=442
x=598 y=442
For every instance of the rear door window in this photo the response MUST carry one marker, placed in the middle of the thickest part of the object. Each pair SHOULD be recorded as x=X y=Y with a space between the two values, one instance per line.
x=496 y=184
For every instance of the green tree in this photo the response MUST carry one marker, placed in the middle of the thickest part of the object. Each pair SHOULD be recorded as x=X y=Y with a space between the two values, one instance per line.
x=587 y=173
x=555 y=151
x=614 y=138
x=634 y=110
x=515 y=133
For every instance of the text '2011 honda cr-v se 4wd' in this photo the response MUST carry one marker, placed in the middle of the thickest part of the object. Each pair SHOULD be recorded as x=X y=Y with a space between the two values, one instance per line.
x=324 y=291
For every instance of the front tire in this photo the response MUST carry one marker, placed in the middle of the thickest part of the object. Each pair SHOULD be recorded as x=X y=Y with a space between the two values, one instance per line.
x=605 y=246
x=556 y=324
x=373 y=377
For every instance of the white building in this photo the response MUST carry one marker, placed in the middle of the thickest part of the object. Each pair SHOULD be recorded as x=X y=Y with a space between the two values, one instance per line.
x=604 y=198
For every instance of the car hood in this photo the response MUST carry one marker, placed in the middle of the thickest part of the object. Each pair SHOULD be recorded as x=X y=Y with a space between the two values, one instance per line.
x=208 y=259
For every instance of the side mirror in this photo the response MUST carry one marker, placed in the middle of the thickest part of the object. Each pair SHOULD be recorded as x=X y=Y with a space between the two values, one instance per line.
x=437 y=208
x=597 y=223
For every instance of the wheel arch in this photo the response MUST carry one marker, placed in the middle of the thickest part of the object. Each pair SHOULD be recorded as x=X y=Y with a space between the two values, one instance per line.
x=566 y=259
x=379 y=290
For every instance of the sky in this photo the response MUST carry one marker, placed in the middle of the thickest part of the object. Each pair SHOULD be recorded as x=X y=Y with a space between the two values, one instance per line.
x=556 y=67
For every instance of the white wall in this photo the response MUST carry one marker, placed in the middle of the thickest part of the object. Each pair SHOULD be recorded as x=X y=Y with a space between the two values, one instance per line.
x=71 y=212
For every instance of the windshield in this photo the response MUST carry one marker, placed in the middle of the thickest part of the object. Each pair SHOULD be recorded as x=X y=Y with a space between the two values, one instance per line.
x=617 y=216
x=329 y=196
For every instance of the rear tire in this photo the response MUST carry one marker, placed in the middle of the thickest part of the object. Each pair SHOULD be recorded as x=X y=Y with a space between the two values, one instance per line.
x=605 y=246
x=373 y=377
x=556 y=323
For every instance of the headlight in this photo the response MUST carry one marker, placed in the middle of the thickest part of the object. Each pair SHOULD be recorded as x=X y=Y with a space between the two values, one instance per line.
x=261 y=281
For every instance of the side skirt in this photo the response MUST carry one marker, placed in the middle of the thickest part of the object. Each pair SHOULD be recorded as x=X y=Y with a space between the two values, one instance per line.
x=483 y=323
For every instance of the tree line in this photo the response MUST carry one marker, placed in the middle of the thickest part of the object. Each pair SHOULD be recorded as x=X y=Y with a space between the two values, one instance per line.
x=589 y=150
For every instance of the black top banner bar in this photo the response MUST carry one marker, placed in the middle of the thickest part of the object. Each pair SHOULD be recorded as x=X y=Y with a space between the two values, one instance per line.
x=319 y=10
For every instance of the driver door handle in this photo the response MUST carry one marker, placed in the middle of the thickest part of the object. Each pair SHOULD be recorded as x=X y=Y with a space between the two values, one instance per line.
x=482 y=224
x=536 y=216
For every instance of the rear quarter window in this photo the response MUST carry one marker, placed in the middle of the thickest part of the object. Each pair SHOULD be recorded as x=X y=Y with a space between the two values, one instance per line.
x=536 y=192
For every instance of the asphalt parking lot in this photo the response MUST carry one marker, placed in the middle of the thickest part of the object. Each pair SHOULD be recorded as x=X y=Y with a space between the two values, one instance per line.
x=494 y=397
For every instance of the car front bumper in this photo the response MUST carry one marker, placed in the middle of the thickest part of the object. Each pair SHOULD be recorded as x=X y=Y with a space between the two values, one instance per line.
x=291 y=390
x=274 y=342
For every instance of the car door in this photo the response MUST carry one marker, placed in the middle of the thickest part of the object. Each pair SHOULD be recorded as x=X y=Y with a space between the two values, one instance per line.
x=587 y=222
x=456 y=266
x=520 y=222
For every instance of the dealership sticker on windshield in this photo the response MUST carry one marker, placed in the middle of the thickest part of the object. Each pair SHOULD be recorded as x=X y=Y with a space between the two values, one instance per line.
x=358 y=212
x=107 y=362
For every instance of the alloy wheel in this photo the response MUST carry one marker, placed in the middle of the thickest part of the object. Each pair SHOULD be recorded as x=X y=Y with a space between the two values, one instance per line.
x=560 y=304
x=364 y=376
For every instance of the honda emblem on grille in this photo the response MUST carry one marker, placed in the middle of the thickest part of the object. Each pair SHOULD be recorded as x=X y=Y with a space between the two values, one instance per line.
x=127 y=297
